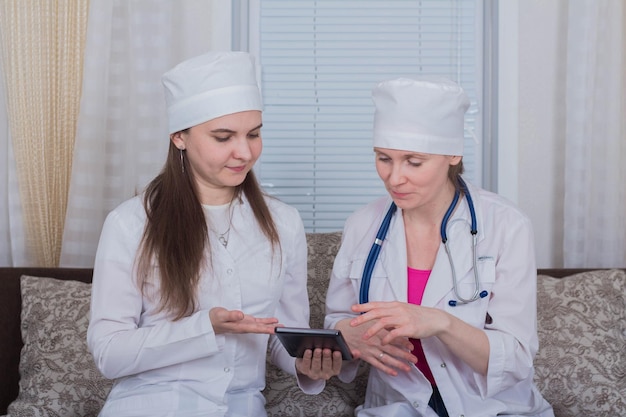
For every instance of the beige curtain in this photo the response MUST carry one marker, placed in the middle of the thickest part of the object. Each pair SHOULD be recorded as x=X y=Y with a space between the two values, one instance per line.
x=42 y=44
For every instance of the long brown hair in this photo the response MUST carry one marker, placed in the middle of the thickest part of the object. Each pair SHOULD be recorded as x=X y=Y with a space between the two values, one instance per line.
x=175 y=237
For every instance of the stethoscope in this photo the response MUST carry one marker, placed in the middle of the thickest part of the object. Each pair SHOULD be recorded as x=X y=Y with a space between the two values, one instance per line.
x=372 y=257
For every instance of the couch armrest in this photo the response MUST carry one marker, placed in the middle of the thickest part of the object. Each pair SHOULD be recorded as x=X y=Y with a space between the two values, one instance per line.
x=565 y=272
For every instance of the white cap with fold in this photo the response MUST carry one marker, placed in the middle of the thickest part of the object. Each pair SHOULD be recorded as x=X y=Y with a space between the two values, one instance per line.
x=208 y=86
x=420 y=115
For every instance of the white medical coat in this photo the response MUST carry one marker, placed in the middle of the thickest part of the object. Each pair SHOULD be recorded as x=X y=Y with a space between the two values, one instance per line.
x=182 y=368
x=506 y=266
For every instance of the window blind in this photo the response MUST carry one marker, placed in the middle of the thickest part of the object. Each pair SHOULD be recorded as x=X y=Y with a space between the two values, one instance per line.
x=320 y=60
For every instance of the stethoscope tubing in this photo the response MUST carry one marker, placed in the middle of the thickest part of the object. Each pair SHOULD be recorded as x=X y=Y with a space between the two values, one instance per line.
x=382 y=233
x=373 y=255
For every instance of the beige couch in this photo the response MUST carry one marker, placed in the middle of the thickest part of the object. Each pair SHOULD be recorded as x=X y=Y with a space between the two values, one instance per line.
x=580 y=367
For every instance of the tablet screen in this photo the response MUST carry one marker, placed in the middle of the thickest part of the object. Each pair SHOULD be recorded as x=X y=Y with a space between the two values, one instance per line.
x=297 y=340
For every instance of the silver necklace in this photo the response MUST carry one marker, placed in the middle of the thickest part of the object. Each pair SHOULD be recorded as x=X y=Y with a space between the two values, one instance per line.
x=223 y=237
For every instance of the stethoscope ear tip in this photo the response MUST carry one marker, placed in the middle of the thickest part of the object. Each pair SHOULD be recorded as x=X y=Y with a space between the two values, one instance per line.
x=483 y=294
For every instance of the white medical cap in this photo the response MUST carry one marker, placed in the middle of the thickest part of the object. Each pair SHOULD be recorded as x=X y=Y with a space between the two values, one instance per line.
x=209 y=86
x=420 y=115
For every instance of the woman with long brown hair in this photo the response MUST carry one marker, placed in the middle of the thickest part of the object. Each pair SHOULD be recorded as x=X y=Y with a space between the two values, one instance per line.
x=192 y=277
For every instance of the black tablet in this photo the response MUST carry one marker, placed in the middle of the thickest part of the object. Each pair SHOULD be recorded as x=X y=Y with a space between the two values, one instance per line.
x=297 y=340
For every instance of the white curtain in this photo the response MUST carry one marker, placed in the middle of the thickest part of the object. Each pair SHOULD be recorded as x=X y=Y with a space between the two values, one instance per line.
x=595 y=147
x=122 y=138
x=12 y=233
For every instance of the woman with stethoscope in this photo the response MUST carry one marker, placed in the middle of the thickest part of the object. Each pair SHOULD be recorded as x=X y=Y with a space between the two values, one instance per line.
x=435 y=285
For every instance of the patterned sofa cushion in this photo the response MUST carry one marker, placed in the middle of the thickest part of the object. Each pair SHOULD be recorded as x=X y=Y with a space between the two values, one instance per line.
x=58 y=374
x=581 y=364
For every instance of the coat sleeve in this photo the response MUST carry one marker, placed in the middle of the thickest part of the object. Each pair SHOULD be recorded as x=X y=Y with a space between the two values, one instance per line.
x=119 y=346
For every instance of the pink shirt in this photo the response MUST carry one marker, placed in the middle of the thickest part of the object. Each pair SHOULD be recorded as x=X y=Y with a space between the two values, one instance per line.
x=417 y=280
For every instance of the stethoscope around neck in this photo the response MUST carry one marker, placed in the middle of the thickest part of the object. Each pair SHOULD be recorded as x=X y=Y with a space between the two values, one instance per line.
x=372 y=257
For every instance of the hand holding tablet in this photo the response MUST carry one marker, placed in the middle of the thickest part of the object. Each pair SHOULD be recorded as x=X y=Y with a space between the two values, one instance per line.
x=297 y=340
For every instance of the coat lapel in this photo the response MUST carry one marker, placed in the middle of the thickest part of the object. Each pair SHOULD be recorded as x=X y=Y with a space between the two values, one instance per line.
x=393 y=258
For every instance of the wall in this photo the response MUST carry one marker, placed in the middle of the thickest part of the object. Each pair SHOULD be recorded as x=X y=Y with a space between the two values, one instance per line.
x=531 y=115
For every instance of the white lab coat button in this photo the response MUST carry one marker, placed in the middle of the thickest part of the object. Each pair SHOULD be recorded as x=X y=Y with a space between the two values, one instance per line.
x=227 y=369
x=415 y=404
x=443 y=365
x=229 y=271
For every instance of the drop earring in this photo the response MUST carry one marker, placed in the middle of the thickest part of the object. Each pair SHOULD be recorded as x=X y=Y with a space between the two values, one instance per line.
x=182 y=161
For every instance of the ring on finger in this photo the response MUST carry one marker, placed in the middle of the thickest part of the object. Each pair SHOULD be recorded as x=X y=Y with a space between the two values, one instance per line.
x=380 y=356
